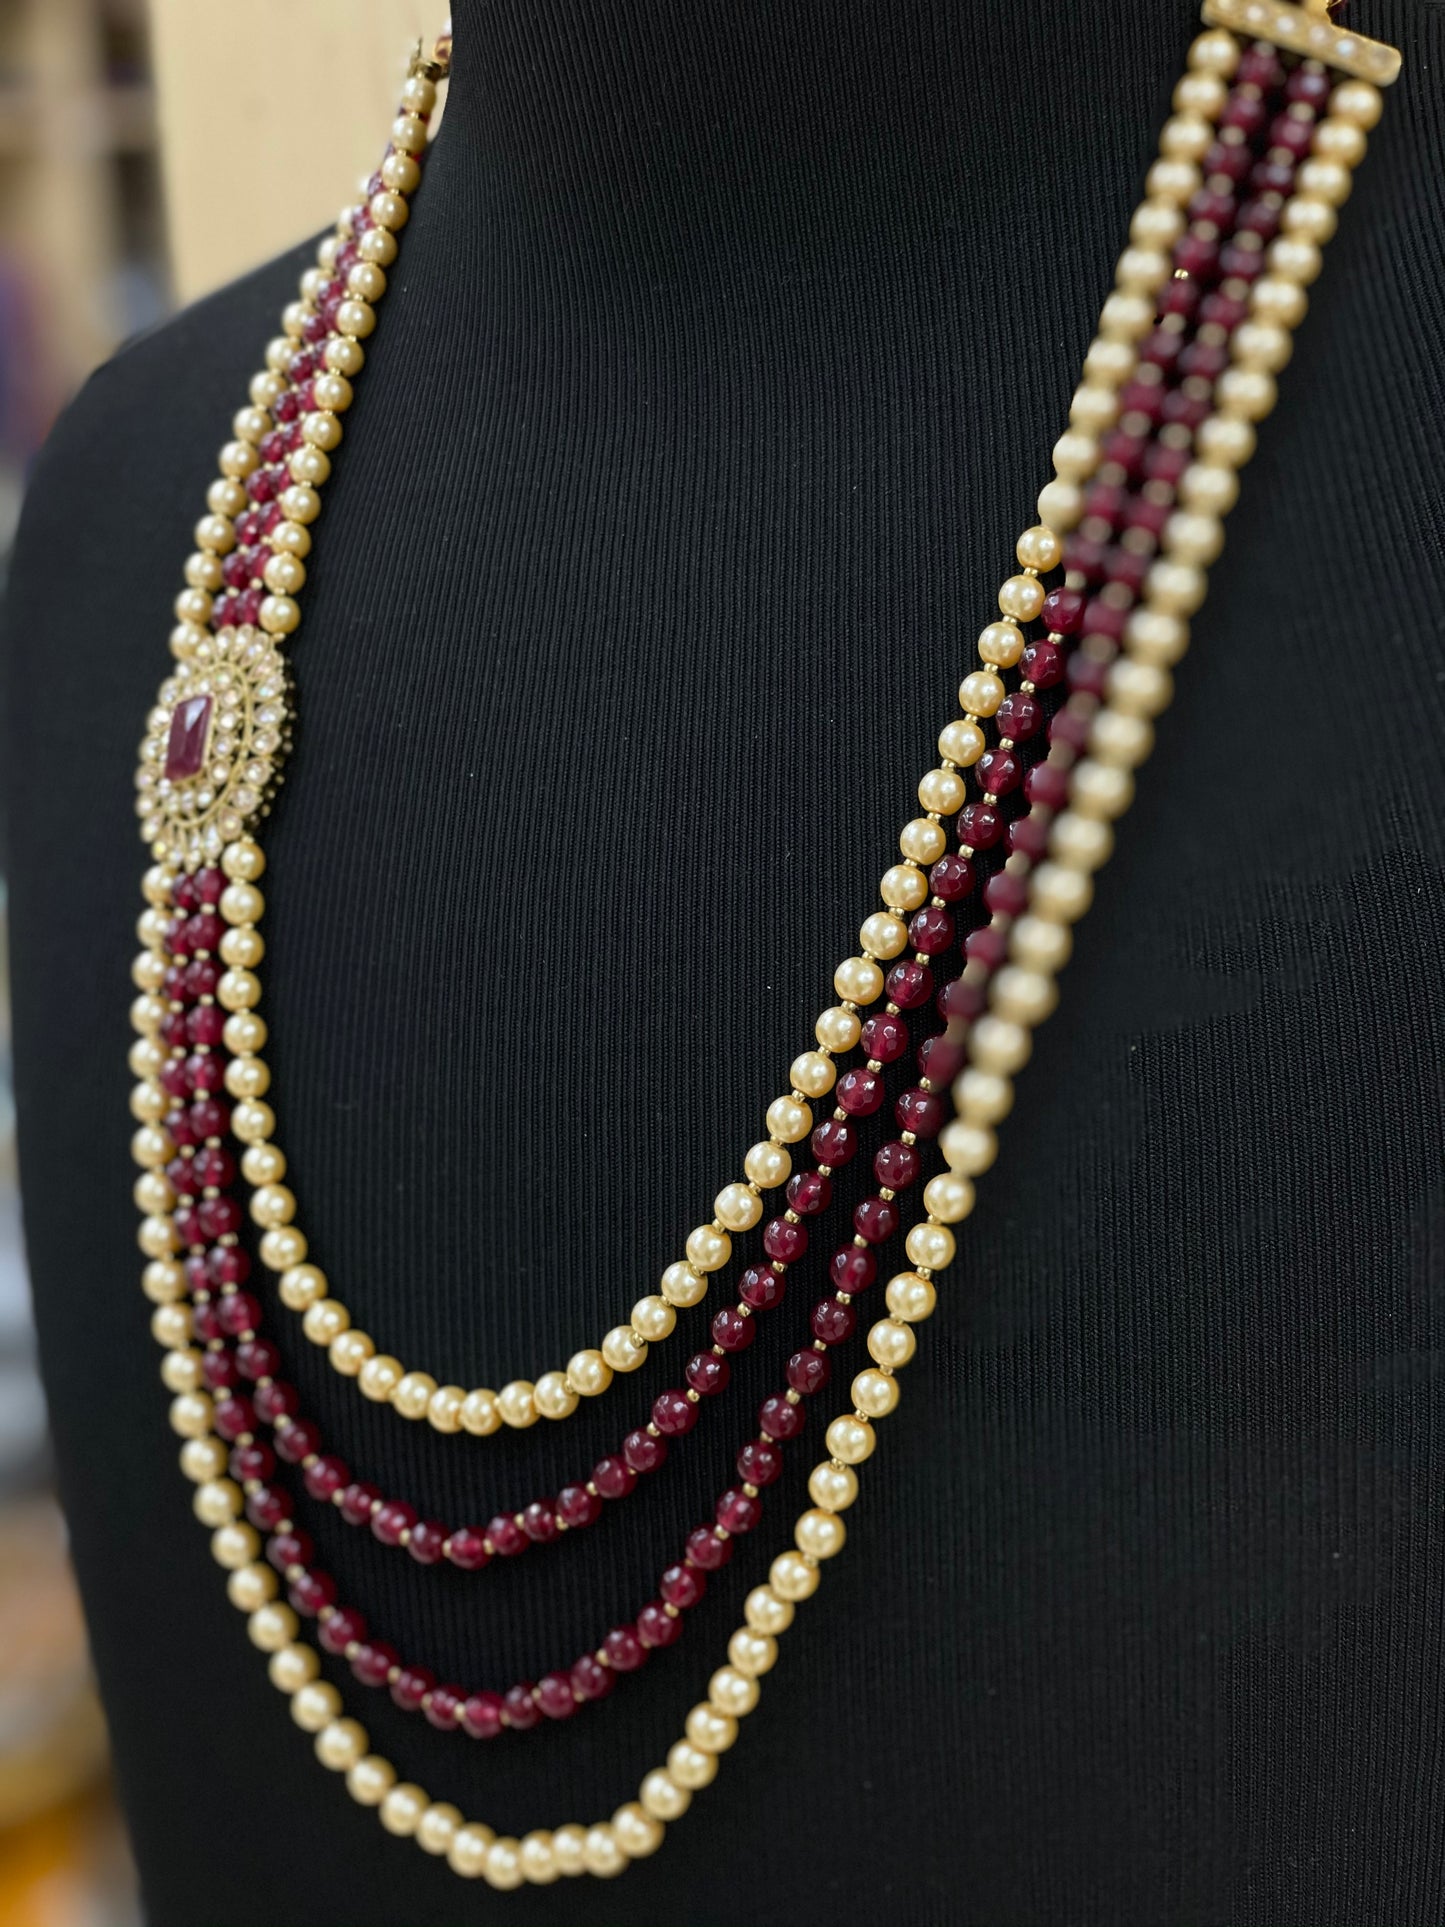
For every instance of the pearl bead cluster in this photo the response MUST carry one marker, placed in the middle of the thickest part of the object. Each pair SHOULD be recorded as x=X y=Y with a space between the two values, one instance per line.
x=1109 y=734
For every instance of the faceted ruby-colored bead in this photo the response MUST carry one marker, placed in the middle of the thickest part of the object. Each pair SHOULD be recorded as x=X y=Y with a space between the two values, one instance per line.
x=860 y=1092
x=207 y=1118
x=311 y=1592
x=682 y=1586
x=852 y=1269
x=202 y=975
x=263 y=484
x=555 y=1697
x=656 y=1626
x=979 y=825
x=1088 y=674
x=761 y=1287
x=248 y=606
x=219 y=1217
x=1296 y=137
x=875 y=1219
x=732 y=1330
x=507 y=1537
x=248 y=522
x=444 y=1707
x=613 y=1477
x=759 y=1463
x=326 y=1476
x=787 y=1242
x=1179 y=296
x=834 y=1142
x=343 y=1626
x=481 y=1715
x=624 y=1650
x=357 y=1501
x=736 y=1512
x=466 y=1549
x=921 y=1112
x=708 y=1374
x=425 y=1543
x=1211 y=204
x=832 y=1322
x=1303 y=85
x=175 y=1078
x=885 y=1037
x=267 y=1507
x=1126 y=565
x=539 y=1522
x=214 y=1165
x=411 y=1686
x=304 y=364
x=187 y=1221
x=277 y=1400
x=673 y=1413
x=577 y=1507
x=291 y=1548
x=391 y=1520
x=1018 y=718
x=896 y=1165
x=591 y=1678
x=988 y=947
x=1072 y=724
x=1159 y=349
x=1224 y=311
x=205 y=1312
x=1245 y=111
x=931 y=929
x=372 y=1662
x=1126 y=448
x=1230 y=158
x=962 y=999
x=1167 y=464
x=1238 y=262
x=1261 y=217
x=258 y=1358
x=1206 y=358
x=253 y=1461
x=1042 y=663
x=1274 y=176
x=233 y=1416
x=1144 y=398
x=780 y=1418
x=297 y=1440
x=808 y=1372
x=706 y=1550
x=1084 y=554
x=643 y=1452
x=173 y=1034
x=1063 y=611
x=273 y=448
x=998 y=772
x=809 y=1192
x=178 y=1122
x=1260 y=66
x=909 y=984
x=952 y=876
x=220 y=1371
x=190 y=731
x=1103 y=502
x=1005 y=894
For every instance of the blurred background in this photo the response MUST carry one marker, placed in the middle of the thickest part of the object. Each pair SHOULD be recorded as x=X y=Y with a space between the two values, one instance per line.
x=148 y=153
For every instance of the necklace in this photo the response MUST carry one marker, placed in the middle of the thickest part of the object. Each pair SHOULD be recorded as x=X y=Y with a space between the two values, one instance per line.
x=1270 y=119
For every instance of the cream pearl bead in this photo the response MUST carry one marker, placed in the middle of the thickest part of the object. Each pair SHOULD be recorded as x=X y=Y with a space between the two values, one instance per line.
x=273 y=1204
x=1156 y=637
x=1110 y=362
x=271 y=1627
x=1209 y=489
x=662 y=1797
x=538 y=1859
x=850 y=1439
x=1200 y=93
x=683 y=1284
x=893 y=1344
x=962 y=743
x=1249 y=393
x=708 y=1248
x=302 y=1285
x=1357 y=101
x=1002 y=643
x=981 y=692
x=833 y=1487
x=163 y=1281
x=1142 y=270
x=692 y=1766
x=503 y=1866
x=857 y=980
x=1093 y=408
x=341 y=1744
x=1023 y=996
x=203 y=1459
x=883 y=935
x=1062 y=895
x=379 y=1377
x=790 y=1575
x=190 y=1414
x=922 y=840
x=1341 y=140
x=638 y=1833
x=1100 y=789
x=370 y=1780
x=263 y=1164
x=293 y=1667
x=819 y=1534
x=814 y=1074
x=930 y=1245
x=467 y=1848
x=216 y=1501
x=653 y=1318
x=1039 y=548
x=444 y=1409
x=1262 y=344
x=765 y=1612
x=942 y=791
x=517 y=1406
x=1215 y=52
x=903 y=887
x=481 y=1415
x=554 y=1396
x=949 y=1197
x=418 y=94
x=1075 y=457
x=732 y=1692
x=998 y=1045
x=1079 y=842
x=1139 y=688
x=623 y=1349
x=787 y=1120
x=603 y=1853
x=315 y=1705
x=735 y=1205
x=875 y=1393
x=569 y=1849
x=1175 y=180
x=1126 y=316
x=1326 y=180
x=402 y=1807
x=711 y=1728
x=152 y=1146
x=836 y=1030
x=235 y=1545
x=181 y=1371
x=752 y=1654
x=910 y=1297
x=154 y=1193
x=1038 y=945
x=437 y=1826
x=1022 y=596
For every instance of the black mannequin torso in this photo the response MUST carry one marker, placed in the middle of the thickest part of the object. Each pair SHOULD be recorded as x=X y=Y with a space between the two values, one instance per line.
x=718 y=374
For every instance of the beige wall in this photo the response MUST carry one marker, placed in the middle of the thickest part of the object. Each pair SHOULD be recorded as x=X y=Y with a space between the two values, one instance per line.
x=270 y=111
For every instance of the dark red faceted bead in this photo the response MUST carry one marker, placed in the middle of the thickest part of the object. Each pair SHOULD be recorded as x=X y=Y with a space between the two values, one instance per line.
x=736 y=1512
x=1018 y=718
x=759 y=1463
x=834 y=1143
x=1063 y=610
x=1088 y=674
x=1042 y=663
x=219 y=1217
x=1295 y=137
x=852 y=1268
x=219 y=1369
x=708 y=1374
x=1240 y=263
x=979 y=825
x=1084 y=554
x=443 y=1707
x=267 y=1507
x=613 y=1477
x=1103 y=502
x=309 y=1593
x=577 y=1507
x=326 y=1476
x=210 y=884
x=357 y=1501
x=809 y=1192
x=208 y=1118
x=732 y=1330
x=674 y=1413
x=860 y=1092
x=875 y=1219
x=1261 y=217
x=539 y=1522
x=275 y=1401
x=787 y=1242
x=205 y=1322
x=1006 y=895
x=1072 y=724
x=248 y=606
x=656 y=1626
x=466 y=1549
x=624 y=1650
x=1166 y=464
x=761 y=1287
x=506 y=1536
x=952 y=876
x=185 y=896
x=1196 y=255
x=832 y=1322
x=808 y=1372
x=411 y=1686
x=964 y=1000
x=682 y=1586
x=706 y=1550
x=1127 y=565
x=1246 y=111
x=1222 y=310
x=1260 y=66
x=391 y=1519
x=555 y=1696
x=922 y=1112
x=343 y=1626
x=1047 y=785
x=780 y=1418
x=988 y=946
x=1208 y=359
x=590 y=1678
x=291 y=1548
x=481 y=1715
x=173 y=1033
x=253 y=1461
x=258 y=1358
x=896 y=1165
x=175 y=1078
x=998 y=771
x=909 y=984
x=885 y=1037
x=426 y=1541
x=201 y=977
x=643 y=1452
x=1311 y=88
x=1211 y=204
x=1230 y=158
x=233 y=1416
x=372 y=1663
x=931 y=929
x=213 y=1164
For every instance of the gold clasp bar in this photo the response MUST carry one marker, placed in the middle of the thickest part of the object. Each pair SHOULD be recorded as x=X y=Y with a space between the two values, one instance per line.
x=1307 y=30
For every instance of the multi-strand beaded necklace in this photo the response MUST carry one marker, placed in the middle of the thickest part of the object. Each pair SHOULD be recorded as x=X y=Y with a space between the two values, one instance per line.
x=1269 y=121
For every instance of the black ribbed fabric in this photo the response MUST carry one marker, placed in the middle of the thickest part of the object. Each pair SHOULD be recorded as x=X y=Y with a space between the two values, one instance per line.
x=718 y=375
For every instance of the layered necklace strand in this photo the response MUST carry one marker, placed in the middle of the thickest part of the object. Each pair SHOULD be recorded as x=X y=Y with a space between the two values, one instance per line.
x=1270 y=120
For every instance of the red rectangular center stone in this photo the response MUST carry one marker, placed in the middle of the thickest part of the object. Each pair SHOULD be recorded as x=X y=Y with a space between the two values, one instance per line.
x=190 y=732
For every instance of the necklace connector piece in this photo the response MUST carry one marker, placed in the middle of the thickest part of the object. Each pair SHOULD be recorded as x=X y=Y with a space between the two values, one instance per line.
x=1307 y=29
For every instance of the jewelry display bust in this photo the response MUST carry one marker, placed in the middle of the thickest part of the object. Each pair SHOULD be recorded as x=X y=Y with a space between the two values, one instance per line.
x=719 y=370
